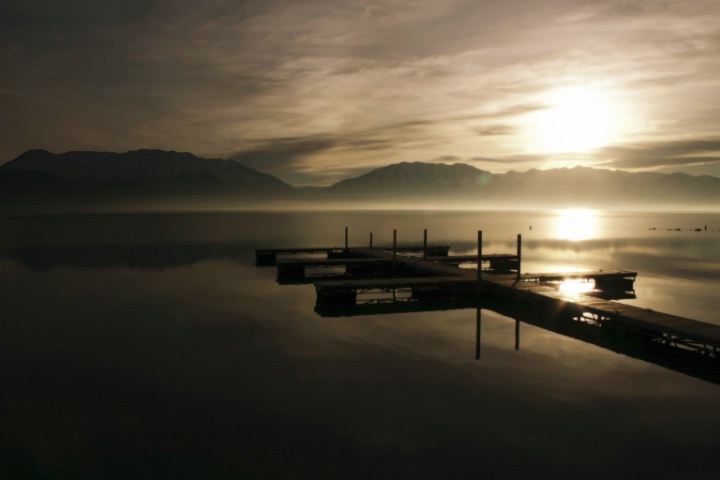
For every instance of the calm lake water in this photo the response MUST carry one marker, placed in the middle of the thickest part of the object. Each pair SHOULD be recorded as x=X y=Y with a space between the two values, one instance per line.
x=150 y=346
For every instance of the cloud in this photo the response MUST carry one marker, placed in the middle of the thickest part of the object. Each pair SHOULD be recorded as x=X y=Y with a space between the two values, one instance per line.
x=280 y=154
x=655 y=155
x=318 y=89
x=493 y=130
x=515 y=159
x=295 y=159
x=302 y=157
x=447 y=158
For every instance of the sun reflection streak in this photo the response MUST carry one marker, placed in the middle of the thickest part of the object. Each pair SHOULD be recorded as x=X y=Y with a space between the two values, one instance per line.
x=576 y=224
x=574 y=288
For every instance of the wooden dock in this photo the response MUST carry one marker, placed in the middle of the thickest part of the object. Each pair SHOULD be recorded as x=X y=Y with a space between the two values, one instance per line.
x=432 y=279
x=363 y=262
x=670 y=329
x=595 y=275
x=269 y=256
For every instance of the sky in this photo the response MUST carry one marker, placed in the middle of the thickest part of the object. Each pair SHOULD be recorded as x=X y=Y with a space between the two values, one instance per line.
x=314 y=91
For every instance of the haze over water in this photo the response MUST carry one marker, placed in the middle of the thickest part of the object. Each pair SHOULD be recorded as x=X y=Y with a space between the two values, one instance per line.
x=150 y=346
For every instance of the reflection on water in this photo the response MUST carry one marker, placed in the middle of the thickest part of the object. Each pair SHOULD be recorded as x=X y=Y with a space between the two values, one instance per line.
x=576 y=224
x=141 y=256
x=693 y=359
x=151 y=347
x=573 y=288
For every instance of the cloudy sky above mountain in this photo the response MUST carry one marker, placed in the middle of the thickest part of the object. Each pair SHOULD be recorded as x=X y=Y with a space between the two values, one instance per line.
x=317 y=90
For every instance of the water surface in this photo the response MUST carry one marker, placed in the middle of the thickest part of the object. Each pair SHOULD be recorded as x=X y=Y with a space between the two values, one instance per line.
x=150 y=346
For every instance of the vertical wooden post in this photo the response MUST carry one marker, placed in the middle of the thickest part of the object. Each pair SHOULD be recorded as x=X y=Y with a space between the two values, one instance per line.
x=519 y=255
x=346 y=238
x=425 y=245
x=478 y=326
x=370 y=239
x=517 y=334
x=394 y=246
x=479 y=262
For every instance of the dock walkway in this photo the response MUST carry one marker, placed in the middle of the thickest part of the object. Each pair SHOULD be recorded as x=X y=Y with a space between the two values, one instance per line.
x=442 y=279
x=268 y=256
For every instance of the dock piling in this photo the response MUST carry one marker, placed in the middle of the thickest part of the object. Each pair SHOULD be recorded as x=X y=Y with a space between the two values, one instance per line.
x=346 y=238
x=478 y=327
x=519 y=255
x=425 y=245
x=394 y=246
x=477 y=296
x=479 y=262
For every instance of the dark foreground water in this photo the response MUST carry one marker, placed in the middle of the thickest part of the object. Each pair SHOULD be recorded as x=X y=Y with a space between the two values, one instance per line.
x=150 y=346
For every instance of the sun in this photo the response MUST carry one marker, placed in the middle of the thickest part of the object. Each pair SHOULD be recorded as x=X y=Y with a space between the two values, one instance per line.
x=577 y=119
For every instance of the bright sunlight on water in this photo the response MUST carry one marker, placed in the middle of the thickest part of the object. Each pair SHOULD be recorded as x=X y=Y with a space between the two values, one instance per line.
x=576 y=224
x=573 y=288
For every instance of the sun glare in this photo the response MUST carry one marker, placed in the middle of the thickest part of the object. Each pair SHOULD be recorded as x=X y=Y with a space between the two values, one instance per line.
x=576 y=224
x=573 y=288
x=577 y=120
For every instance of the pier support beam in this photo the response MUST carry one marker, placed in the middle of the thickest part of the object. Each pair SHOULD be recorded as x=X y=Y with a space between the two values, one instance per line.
x=519 y=255
x=425 y=245
x=478 y=328
x=478 y=293
x=479 y=263
x=394 y=247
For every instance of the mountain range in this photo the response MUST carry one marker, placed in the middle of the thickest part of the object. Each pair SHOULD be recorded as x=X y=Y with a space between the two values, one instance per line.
x=144 y=167
x=38 y=177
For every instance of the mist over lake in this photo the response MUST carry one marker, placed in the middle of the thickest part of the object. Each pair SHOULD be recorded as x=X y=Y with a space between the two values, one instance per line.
x=151 y=346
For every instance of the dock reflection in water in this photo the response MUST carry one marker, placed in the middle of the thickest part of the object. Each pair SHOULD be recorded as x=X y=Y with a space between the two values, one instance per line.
x=159 y=257
x=375 y=283
x=146 y=256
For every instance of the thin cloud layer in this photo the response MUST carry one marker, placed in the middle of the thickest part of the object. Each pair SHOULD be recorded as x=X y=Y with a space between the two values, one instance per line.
x=677 y=154
x=317 y=90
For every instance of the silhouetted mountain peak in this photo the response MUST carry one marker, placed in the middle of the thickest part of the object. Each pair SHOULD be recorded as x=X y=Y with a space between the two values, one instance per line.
x=138 y=166
x=416 y=177
x=159 y=174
